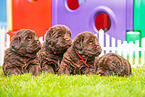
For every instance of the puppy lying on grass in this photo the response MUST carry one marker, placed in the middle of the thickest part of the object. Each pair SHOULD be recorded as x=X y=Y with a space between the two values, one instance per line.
x=21 y=56
x=111 y=63
x=58 y=40
x=80 y=57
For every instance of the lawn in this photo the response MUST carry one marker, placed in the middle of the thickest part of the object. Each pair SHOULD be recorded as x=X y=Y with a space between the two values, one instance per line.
x=45 y=85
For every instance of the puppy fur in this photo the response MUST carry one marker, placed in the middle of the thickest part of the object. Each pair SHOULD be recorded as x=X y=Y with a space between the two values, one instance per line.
x=111 y=63
x=85 y=45
x=58 y=40
x=21 y=56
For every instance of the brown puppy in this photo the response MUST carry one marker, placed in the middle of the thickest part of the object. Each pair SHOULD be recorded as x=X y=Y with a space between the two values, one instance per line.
x=58 y=40
x=111 y=63
x=21 y=55
x=80 y=57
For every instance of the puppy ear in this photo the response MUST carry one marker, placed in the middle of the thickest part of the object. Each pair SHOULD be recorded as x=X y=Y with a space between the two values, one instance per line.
x=79 y=43
x=49 y=35
x=15 y=43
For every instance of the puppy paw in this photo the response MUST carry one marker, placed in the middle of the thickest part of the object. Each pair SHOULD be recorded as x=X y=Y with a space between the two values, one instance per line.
x=35 y=70
x=48 y=69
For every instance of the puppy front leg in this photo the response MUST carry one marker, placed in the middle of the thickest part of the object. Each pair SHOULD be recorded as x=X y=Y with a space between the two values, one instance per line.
x=47 y=68
x=64 y=69
x=34 y=70
x=89 y=71
x=11 y=70
x=45 y=65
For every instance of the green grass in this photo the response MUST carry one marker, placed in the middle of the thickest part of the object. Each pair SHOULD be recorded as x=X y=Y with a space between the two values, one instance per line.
x=45 y=85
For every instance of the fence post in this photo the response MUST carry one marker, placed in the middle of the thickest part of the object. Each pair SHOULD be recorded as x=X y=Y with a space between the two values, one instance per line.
x=7 y=41
x=136 y=52
x=2 y=39
x=41 y=39
x=101 y=40
x=119 y=50
x=124 y=49
x=107 y=43
x=131 y=52
x=142 y=51
x=113 y=44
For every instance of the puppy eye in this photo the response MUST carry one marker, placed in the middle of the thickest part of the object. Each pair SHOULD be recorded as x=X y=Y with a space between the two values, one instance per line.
x=59 y=36
x=90 y=42
x=29 y=38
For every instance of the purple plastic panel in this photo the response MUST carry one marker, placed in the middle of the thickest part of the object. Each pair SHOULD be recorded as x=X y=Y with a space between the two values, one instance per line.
x=83 y=18
x=129 y=14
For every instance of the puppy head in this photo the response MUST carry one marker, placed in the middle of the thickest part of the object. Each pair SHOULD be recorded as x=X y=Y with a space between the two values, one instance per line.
x=86 y=44
x=110 y=64
x=25 y=42
x=58 y=38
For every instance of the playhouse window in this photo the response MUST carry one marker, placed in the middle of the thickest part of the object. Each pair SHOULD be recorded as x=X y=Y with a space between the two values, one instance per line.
x=74 y=4
x=102 y=21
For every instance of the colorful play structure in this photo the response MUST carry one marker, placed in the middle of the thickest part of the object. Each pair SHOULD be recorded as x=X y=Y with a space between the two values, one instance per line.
x=121 y=19
x=3 y=13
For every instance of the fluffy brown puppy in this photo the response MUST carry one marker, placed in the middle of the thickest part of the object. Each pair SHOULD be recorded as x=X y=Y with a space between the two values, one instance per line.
x=21 y=57
x=80 y=57
x=57 y=41
x=111 y=63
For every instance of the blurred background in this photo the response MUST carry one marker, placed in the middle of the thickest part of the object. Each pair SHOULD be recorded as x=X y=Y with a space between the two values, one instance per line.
x=121 y=19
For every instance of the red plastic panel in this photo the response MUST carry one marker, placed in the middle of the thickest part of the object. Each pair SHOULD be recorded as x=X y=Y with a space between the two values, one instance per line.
x=34 y=15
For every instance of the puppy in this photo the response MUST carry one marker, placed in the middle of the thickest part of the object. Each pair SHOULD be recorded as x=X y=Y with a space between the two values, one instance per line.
x=111 y=63
x=57 y=41
x=80 y=57
x=21 y=56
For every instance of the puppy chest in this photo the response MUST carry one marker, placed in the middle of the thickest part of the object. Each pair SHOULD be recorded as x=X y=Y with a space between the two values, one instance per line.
x=78 y=69
x=79 y=64
x=26 y=62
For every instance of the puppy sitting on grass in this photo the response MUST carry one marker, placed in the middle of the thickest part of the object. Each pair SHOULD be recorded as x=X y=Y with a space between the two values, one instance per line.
x=112 y=63
x=58 y=40
x=21 y=56
x=80 y=57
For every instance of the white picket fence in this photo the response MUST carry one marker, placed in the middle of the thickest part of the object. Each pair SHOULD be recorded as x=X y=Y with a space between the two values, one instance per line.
x=3 y=44
x=130 y=51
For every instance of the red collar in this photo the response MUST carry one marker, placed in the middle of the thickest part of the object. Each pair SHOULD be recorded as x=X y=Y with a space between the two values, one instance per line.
x=83 y=59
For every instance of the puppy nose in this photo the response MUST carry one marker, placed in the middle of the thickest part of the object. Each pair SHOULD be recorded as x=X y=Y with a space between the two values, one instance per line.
x=99 y=72
x=37 y=41
x=98 y=46
x=66 y=39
